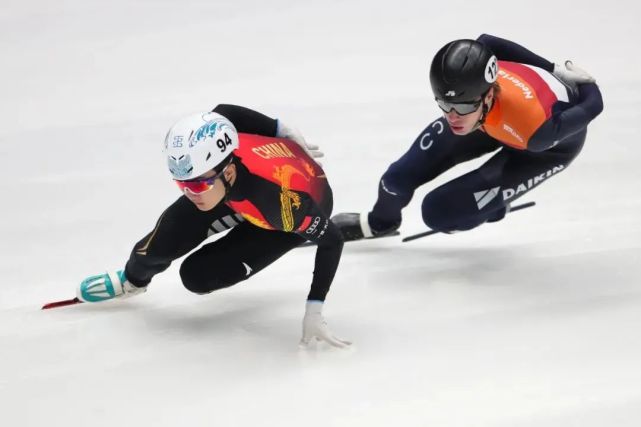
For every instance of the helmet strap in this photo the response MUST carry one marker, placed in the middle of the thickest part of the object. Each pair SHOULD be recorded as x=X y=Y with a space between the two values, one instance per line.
x=224 y=180
x=486 y=109
x=227 y=186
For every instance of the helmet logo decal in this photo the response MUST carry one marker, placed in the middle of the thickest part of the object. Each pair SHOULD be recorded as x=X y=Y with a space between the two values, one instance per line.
x=180 y=168
x=450 y=93
x=178 y=141
x=491 y=70
x=208 y=130
x=205 y=131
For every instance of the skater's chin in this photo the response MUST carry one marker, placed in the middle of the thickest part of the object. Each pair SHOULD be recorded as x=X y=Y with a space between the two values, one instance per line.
x=203 y=206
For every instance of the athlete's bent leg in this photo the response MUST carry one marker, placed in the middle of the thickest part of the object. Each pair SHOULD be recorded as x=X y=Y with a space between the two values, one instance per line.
x=180 y=228
x=484 y=194
x=243 y=252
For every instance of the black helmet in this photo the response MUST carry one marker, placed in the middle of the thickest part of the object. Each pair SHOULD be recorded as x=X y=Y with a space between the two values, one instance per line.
x=463 y=71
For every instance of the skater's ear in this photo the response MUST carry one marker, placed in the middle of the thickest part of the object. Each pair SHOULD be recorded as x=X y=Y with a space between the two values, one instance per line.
x=230 y=173
x=492 y=92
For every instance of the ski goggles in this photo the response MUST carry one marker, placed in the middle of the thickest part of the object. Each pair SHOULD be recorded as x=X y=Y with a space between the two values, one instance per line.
x=461 y=108
x=199 y=185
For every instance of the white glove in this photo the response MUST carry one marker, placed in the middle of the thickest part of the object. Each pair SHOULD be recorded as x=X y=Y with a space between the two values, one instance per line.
x=315 y=327
x=572 y=75
x=284 y=131
x=107 y=286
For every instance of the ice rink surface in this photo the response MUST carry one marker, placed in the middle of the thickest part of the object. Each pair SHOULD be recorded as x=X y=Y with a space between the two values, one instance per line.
x=534 y=321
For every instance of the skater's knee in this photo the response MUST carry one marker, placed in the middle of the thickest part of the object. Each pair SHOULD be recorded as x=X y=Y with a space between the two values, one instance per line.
x=437 y=212
x=446 y=212
x=200 y=279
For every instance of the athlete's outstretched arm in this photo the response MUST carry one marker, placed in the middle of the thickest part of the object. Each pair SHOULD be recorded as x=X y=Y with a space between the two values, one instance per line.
x=570 y=121
x=330 y=242
x=506 y=50
x=246 y=120
x=328 y=253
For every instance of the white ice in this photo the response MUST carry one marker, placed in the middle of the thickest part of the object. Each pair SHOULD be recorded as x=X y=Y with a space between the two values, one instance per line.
x=534 y=321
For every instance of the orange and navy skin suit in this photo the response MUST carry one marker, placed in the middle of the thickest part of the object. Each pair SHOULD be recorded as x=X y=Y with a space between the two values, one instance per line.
x=280 y=199
x=536 y=125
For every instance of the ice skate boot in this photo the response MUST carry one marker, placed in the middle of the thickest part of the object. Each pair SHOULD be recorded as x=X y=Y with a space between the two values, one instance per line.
x=355 y=226
x=107 y=286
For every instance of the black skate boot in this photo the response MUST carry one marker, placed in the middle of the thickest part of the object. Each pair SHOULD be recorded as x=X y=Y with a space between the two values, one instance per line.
x=355 y=226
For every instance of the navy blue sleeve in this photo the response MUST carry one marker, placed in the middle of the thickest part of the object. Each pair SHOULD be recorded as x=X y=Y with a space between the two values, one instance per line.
x=570 y=121
x=248 y=121
x=590 y=99
x=506 y=50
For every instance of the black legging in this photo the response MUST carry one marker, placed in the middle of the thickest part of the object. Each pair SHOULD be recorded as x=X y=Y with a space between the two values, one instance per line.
x=244 y=251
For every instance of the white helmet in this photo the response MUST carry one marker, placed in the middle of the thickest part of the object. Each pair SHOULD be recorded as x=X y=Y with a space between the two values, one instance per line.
x=198 y=143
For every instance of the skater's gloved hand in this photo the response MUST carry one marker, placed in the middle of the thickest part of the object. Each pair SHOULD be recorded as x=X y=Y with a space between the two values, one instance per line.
x=284 y=131
x=572 y=75
x=315 y=327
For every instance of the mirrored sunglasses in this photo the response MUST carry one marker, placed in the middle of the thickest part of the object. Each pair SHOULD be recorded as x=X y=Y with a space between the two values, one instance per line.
x=461 y=108
x=199 y=185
